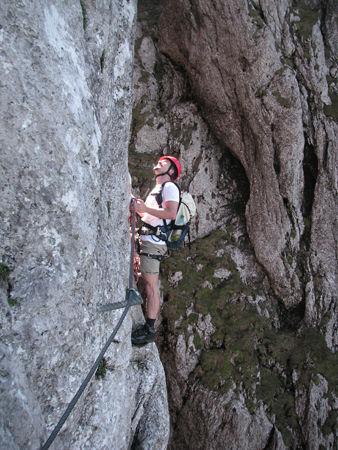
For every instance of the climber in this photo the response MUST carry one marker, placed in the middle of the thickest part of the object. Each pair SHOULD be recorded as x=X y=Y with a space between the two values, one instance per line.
x=152 y=249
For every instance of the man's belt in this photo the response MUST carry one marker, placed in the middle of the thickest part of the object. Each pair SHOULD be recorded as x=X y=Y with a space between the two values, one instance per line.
x=158 y=257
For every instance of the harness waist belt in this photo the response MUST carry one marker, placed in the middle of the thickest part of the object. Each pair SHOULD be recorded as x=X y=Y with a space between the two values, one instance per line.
x=147 y=230
x=158 y=257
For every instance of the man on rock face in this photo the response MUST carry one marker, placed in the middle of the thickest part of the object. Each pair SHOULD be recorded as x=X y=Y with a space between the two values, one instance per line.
x=152 y=248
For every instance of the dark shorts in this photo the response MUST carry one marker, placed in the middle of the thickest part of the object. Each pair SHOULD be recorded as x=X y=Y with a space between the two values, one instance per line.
x=147 y=264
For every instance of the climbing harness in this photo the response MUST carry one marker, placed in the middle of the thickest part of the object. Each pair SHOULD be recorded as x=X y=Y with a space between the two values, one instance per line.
x=132 y=298
x=150 y=255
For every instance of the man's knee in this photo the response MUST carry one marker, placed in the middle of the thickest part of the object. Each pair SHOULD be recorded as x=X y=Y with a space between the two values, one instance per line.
x=150 y=282
x=150 y=279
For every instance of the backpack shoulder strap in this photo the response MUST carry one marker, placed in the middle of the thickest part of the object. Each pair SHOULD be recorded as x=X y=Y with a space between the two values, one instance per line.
x=159 y=197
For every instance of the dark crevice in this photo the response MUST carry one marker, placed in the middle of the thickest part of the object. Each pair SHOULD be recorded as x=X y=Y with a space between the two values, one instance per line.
x=324 y=12
x=276 y=163
x=160 y=70
x=136 y=444
x=237 y=172
x=310 y=168
x=276 y=159
x=84 y=15
x=325 y=155
x=197 y=16
x=148 y=14
x=290 y=211
x=292 y=318
x=270 y=445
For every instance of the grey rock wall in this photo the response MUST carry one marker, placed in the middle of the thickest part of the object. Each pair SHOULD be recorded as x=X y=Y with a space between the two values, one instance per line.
x=243 y=93
x=262 y=75
x=66 y=94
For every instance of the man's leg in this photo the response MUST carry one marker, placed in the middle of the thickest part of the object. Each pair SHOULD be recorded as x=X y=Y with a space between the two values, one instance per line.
x=146 y=333
x=150 y=281
x=149 y=268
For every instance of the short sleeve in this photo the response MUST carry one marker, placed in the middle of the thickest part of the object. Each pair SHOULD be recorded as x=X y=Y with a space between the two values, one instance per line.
x=170 y=193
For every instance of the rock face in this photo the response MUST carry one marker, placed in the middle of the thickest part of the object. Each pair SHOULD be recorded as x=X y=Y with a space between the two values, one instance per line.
x=65 y=114
x=244 y=94
x=259 y=73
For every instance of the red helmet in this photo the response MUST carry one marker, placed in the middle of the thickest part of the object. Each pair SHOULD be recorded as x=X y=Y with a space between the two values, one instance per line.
x=175 y=162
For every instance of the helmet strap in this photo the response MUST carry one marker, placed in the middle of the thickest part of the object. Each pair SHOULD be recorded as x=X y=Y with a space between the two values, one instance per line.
x=172 y=166
x=161 y=174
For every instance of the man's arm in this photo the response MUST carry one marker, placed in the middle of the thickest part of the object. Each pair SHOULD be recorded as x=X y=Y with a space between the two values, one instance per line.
x=168 y=212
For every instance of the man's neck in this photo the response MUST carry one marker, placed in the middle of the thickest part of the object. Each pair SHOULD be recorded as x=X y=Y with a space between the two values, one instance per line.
x=162 y=179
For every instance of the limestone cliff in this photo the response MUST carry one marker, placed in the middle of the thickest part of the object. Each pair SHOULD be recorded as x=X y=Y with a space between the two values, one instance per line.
x=244 y=93
x=66 y=91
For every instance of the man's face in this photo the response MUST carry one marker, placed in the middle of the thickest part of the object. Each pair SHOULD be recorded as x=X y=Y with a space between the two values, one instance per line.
x=161 y=166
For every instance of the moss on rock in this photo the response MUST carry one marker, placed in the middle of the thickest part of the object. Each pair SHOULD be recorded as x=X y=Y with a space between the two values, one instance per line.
x=332 y=110
x=4 y=273
x=308 y=18
x=246 y=350
x=148 y=13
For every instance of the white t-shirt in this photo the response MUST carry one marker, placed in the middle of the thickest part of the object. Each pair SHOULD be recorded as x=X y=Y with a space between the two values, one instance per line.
x=170 y=193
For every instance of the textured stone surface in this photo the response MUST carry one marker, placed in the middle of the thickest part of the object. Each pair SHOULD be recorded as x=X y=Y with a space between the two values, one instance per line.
x=250 y=310
x=66 y=93
x=220 y=423
x=260 y=80
x=244 y=94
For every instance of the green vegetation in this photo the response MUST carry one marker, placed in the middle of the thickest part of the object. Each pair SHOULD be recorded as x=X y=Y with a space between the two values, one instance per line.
x=332 y=110
x=308 y=18
x=197 y=266
x=182 y=132
x=282 y=100
x=101 y=369
x=137 y=45
x=239 y=329
x=139 y=117
x=4 y=282
x=245 y=352
x=330 y=425
x=12 y=301
x=198 y=343
x=280 y=353
x=140 y=166
x=4 y=273
x=84 y=14
x=108 y=208
x=216 y=370
x=144 y=77
x=102 y=60
x=256 y=16
x=148 y=12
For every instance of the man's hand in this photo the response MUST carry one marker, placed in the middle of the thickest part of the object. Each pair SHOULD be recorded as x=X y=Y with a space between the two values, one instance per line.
x=140 y=206
x=168 y=212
